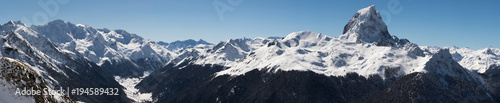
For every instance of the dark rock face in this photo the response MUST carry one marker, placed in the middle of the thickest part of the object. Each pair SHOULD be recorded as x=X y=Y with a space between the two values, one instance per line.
x=492 y=80
x=428 y=88
x=22 y=76
x=128 y=68
x=122 y=68
x=292 y=86
x=366 y=26
x=90 y=76
x=171 y=80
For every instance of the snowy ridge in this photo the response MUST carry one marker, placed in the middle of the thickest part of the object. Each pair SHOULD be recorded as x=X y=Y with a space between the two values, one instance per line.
x=178 y=46
x=100 y=45
x=381 y=68
x=61 y=51
x=365 y=47
x=229 y=52
x=443 y=63
x=308 y=51
x=473 y=60
x=16 y=43
x=57 y=42
x=187 y=50
x=14 y=74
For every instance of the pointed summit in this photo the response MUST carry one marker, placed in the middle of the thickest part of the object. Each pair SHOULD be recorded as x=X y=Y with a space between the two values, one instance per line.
x=15 y=23
x=366 y=26
x=10 y=22
x=201 y=41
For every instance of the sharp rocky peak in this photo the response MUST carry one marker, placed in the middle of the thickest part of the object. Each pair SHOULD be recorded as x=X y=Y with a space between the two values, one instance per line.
x=443 y=63
x=366 y=26
x=15 y=23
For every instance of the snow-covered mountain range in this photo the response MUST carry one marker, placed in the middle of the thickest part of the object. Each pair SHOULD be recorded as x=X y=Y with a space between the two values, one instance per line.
x=365 y=47
x=178 y=46
x=238 y=69
x=106 y=47
x=474 y=60
x=76 y=55
x=364 y=64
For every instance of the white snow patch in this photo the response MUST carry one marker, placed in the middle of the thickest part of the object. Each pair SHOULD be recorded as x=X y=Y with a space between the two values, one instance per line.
x=329 y=56
x=132 y=92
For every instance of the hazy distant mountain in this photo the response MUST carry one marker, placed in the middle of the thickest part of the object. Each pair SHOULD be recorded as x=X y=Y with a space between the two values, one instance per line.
x=178 y=46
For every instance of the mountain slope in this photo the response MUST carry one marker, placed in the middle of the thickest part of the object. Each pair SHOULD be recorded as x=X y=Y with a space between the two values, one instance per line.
x=14 y=74
x=58 y=67
x=365 y=48
x=120 y=52
x=474 y=60
x=484 y=62
x=445 y=81
x=364 y=64
x=366 y=26
x=229 y=52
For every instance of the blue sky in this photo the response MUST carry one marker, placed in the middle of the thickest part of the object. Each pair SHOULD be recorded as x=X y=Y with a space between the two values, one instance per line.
x=461 y=23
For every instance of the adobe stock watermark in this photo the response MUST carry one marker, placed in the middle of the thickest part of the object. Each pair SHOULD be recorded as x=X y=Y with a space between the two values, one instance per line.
x=222 y=7
x=50 y=8
x=394 y=7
